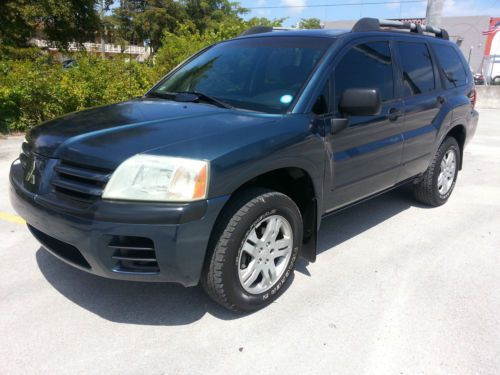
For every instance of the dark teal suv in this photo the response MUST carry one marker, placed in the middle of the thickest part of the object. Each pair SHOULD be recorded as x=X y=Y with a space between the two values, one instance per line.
x=223 y=171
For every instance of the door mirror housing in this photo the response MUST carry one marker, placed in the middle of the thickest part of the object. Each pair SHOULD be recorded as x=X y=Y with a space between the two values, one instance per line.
x=361 y=102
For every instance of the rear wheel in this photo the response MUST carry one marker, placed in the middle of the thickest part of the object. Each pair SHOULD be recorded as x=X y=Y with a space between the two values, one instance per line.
x=256 y=245
x=438 y=181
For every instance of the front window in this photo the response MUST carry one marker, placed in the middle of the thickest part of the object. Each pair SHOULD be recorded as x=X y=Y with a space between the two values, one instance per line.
x=260 y=74
x=367 y=65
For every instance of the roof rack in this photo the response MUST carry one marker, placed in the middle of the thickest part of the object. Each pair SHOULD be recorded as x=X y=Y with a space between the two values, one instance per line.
x=374 y=24
x=262 y=29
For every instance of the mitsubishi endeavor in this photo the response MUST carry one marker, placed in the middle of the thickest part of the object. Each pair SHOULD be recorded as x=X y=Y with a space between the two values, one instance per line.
x=222 y=172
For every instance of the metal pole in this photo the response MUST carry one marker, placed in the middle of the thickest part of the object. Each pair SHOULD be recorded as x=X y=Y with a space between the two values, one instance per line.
x=470 y=52
x=433 y=13
x=102 y=29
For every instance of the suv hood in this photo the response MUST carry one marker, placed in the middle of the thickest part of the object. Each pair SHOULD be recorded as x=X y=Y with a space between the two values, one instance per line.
x=105 y=136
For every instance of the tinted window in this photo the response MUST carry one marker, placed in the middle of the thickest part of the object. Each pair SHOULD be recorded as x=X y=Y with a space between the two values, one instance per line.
x=263 y=74
x=367 y=65
x=418 y=74
x=451 y=65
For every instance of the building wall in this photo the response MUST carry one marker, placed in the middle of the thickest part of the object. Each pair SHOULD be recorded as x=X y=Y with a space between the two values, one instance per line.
x=466 y=31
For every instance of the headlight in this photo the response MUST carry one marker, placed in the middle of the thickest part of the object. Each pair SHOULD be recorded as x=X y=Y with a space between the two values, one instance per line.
x=158 y=178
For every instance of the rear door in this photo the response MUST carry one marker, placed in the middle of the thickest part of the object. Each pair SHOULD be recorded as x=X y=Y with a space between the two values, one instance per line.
x=365 y=157
x=423 y=97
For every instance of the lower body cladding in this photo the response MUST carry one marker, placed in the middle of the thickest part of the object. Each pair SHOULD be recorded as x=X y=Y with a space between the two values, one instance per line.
x=168 y=244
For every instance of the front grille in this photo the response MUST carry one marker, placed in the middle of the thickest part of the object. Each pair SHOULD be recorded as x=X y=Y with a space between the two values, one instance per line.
x=80 y=182
x=62 y=249
x=134 y=254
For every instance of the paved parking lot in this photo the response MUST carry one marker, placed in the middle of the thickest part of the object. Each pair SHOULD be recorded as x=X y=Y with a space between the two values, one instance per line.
x=397 y=289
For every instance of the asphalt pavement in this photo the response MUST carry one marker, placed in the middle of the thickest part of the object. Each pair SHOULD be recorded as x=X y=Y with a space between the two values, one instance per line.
x=398 y=288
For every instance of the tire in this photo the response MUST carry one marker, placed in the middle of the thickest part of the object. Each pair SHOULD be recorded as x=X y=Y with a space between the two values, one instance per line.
x=433 y=189
x=228 y=264
x=495 y=81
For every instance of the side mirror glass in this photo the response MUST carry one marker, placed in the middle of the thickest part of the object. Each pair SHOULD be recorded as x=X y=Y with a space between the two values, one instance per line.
x=361 y=102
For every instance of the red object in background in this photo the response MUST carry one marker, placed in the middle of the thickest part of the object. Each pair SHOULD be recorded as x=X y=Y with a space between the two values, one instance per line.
x=473 y=97
x=493 y=29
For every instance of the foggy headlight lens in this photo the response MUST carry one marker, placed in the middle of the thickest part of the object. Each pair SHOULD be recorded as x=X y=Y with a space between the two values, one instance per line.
x=158 y=178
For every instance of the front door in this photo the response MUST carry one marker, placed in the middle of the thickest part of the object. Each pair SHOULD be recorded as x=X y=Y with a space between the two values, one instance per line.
x=366 y=156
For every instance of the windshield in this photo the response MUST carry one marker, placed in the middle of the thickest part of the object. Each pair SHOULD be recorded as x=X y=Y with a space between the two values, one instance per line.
x=261 y=74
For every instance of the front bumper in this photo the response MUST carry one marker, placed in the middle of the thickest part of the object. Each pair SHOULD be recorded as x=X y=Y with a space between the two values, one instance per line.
x=176 y=235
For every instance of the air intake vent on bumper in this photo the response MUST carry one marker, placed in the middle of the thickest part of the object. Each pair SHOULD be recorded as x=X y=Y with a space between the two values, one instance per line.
x=134 y=254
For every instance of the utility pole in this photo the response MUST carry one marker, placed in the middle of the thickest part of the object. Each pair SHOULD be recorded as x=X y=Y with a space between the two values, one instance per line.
x=101 y=13
x=433 y=13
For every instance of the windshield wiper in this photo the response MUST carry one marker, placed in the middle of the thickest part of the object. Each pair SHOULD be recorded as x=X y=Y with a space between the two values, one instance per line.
x=161 y=95
x=191 y=96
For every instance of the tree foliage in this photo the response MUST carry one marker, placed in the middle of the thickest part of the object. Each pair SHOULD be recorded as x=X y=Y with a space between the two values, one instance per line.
x=138 y=20
x=310 y=23
x=208 y=13
x=37 y=88
x=60 y=22
x=34 y=85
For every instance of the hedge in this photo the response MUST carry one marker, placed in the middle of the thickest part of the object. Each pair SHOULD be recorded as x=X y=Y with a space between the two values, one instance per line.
x=38 y=88
x=35 y=87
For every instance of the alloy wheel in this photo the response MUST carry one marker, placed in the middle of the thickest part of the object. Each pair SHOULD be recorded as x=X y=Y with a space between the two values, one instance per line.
x=265 y=254
x=447 y=172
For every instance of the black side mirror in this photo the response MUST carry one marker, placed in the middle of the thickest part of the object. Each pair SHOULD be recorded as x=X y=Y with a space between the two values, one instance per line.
x=361 y=102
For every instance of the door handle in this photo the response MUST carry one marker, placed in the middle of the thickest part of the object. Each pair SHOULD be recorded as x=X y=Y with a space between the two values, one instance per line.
x=440 y=99
x=394 y=114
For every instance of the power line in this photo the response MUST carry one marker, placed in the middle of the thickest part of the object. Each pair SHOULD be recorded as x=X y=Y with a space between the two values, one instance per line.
x=335 y=5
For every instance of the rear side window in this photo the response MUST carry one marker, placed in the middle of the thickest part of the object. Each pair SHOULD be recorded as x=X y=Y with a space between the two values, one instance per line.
x=451 y=65
x=367 y=65
x=416 y=64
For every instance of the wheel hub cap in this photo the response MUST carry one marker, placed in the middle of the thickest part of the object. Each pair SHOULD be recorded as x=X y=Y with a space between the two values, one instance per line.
x=265 y=254
x=447 y=172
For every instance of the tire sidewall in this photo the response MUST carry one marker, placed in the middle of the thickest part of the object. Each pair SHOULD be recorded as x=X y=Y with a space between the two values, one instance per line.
x=449 y=144
x=267 y=206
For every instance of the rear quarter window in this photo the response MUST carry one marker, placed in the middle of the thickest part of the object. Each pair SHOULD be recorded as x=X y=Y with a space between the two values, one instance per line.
x=417 y=69
x=451 y=65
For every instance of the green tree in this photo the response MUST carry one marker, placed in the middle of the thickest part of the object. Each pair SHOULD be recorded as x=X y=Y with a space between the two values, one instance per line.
x=208 y=13
x=59 y=21
x=15 y=28
x=262 y=21
x=310 y=23
x=137 y=20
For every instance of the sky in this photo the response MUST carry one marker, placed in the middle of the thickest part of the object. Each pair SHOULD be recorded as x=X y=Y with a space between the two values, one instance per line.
x=331 y=10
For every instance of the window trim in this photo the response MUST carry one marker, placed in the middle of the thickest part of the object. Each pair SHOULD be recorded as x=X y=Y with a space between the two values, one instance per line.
x=330 y=90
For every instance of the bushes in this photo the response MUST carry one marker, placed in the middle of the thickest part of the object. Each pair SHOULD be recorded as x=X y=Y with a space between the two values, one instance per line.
x=36 y=88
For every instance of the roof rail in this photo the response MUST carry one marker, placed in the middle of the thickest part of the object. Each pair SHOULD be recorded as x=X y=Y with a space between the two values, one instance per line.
x=262 y=29
x=374 y=24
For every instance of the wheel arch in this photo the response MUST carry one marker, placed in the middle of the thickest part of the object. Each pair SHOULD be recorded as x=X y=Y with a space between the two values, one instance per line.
x=458 y=132
x=296 y=183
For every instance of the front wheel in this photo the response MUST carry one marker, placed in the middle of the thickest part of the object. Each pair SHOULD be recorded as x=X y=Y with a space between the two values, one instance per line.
x=257 y=243
x=438 y=181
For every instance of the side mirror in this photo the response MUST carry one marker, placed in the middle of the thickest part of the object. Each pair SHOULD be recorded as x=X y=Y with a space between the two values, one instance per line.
x=361 y=102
